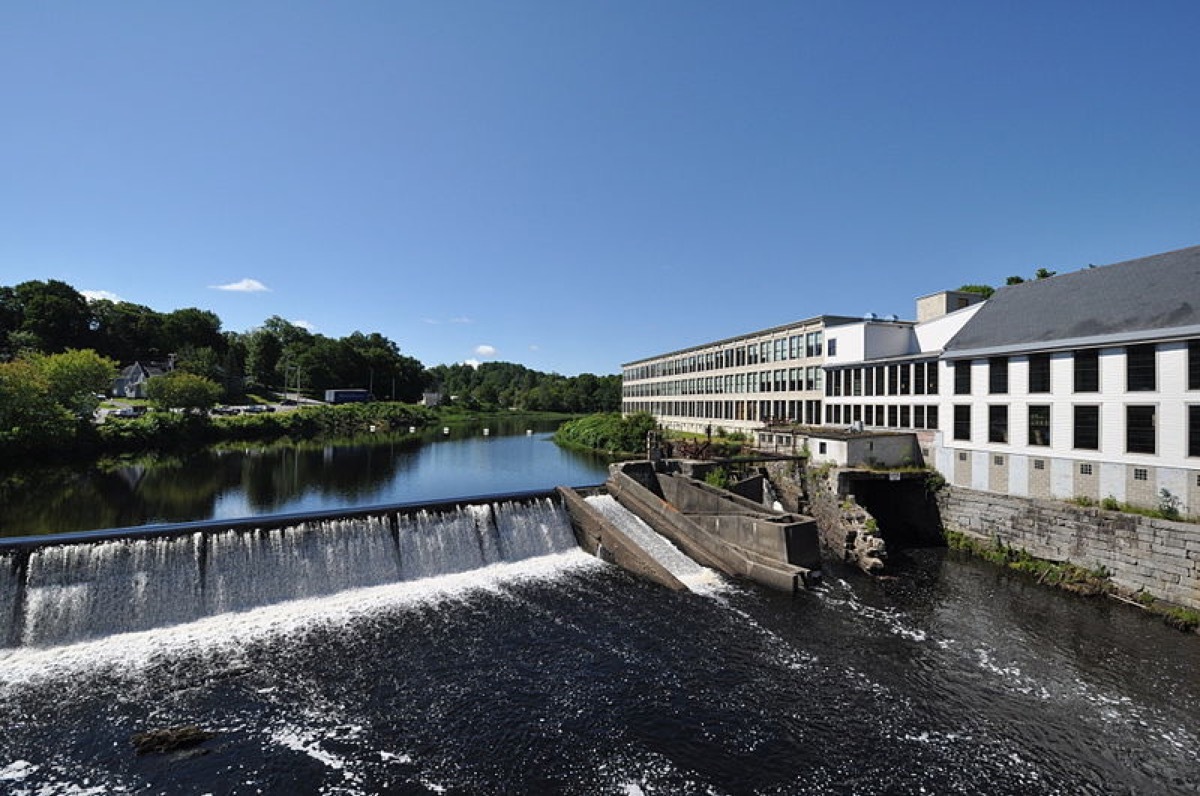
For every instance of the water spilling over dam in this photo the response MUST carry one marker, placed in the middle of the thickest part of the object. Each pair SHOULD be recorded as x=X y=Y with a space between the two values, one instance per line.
x=61 y=593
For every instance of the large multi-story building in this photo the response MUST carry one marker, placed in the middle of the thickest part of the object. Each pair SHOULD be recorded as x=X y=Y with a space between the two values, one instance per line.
x=1080 y=385
x=773 y=376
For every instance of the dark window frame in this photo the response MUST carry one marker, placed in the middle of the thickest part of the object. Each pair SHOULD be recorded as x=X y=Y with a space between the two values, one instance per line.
x=1085 y=424
x=962 y=422
x=1039 y=373
x=998 y=423
x=1087 y=370
x=998 y=375
x=1141 y=428
x=1039 y=425
x=962 y=377
x=1141 y=368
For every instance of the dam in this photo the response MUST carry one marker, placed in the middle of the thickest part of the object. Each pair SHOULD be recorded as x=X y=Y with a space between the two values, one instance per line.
x=475 y=646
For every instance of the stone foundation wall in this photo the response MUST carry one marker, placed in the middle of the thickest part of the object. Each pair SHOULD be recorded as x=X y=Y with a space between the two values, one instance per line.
x=1141 y=553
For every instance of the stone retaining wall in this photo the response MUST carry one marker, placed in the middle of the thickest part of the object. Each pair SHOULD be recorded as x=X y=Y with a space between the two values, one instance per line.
x=1141 y=553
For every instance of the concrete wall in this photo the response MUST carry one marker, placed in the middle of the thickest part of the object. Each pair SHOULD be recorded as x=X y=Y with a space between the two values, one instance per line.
x=1159 y=556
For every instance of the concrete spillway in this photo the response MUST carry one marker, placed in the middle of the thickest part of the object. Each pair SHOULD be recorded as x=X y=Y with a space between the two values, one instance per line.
x=696 y=577
x=60 y=590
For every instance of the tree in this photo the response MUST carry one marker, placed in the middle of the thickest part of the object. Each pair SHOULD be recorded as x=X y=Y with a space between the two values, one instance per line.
x=193 y=328
x=127 y=332
x=29 y=418
x=182 y=390
x=985 y=290
x=263 y=350
x=55 y=313
x=74 y=379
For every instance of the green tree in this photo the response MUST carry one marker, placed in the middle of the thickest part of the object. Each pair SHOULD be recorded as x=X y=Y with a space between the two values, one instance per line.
x=29 y=418
x=74 y=379
x=182 y=390
x=263 y=352
x=984 y=290
x=127 y=332
x=55 y=313
x=192 y=328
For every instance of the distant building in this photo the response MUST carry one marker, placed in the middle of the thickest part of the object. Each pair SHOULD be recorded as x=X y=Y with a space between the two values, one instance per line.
x=769 y=377
x=132 y=380
x=431 y=399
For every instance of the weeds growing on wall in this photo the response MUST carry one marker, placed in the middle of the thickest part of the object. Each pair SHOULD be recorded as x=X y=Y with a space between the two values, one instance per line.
x=1071 y=577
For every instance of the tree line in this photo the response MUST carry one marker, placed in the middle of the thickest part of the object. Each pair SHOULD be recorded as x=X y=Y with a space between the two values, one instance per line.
x=51 y=317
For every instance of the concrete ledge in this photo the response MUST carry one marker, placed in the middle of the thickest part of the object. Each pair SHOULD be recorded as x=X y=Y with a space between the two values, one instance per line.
x=763 y=554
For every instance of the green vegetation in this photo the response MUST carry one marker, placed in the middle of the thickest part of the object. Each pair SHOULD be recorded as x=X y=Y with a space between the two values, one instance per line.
x=610 y=432
x=718 y=477
x=59 y=355
x=1064 y=575
x=1167 y=508
x=1071 y=577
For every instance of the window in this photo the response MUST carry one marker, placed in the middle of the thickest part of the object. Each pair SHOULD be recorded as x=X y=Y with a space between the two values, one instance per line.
x=1039 y=373
x=1194 y=364
x=962 y=377
x=1139 y=429
x=904 y=417
x=905 y=379
x=1194 y=431
x=931 y=378
x=820 y=447
x=962 y=457
x=1039 y=464
x=962 y=421
x=1087 y=371
x=998 y=375
x=998 y=461
x=893 y=386
x=1085 y=469
x=919 y=378
x=998 y=424
x=931 y=417
x=1039 y=425
x=1140 y=371
x=831 y=347
x=1141 y=474
x=918 y=416
x=1087 y=427
x=893 y=418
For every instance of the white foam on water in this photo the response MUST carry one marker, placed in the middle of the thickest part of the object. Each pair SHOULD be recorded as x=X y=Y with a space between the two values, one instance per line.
x=132 y=651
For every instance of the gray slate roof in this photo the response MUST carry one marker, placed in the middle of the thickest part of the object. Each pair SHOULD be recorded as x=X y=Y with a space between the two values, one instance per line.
x=1136 y=299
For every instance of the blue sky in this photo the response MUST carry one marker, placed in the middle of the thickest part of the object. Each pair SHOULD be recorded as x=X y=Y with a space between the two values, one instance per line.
x=572 y=185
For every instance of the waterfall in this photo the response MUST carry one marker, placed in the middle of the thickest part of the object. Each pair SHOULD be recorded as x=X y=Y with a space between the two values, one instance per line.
x=70 y=592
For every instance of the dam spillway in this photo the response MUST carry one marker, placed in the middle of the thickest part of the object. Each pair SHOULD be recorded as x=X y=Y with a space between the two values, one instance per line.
x=58 y=591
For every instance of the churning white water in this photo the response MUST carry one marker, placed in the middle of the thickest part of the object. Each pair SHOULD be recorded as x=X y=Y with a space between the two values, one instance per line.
x=73 y=592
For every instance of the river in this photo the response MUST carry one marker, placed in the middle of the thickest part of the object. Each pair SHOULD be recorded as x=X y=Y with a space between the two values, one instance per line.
x=557 y=673
x=229 y=482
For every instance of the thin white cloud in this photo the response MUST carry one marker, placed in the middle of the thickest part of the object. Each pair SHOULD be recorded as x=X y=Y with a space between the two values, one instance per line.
x=461 y=319
x=303 y=324
x=485 y=351
x=472 y=362
x=535 y=347
x=97 y=295
x=244 y=286
x=431 y=321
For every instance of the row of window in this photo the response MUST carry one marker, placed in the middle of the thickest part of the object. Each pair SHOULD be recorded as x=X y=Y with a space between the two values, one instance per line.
x=1141 y=371
x=809 y=378
x=806 y=412
x=884 y=416
x=906 y=378
x=781 y=349
x=1141 y=423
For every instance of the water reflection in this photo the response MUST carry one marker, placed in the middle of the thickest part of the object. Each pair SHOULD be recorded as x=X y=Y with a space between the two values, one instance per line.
x=215 y=484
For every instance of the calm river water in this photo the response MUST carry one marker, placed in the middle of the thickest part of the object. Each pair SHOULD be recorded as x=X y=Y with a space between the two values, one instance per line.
x=561 y=674
x=405 y=468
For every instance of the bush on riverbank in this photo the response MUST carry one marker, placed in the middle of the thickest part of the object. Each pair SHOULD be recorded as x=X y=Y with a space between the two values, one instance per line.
x=609 y=432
